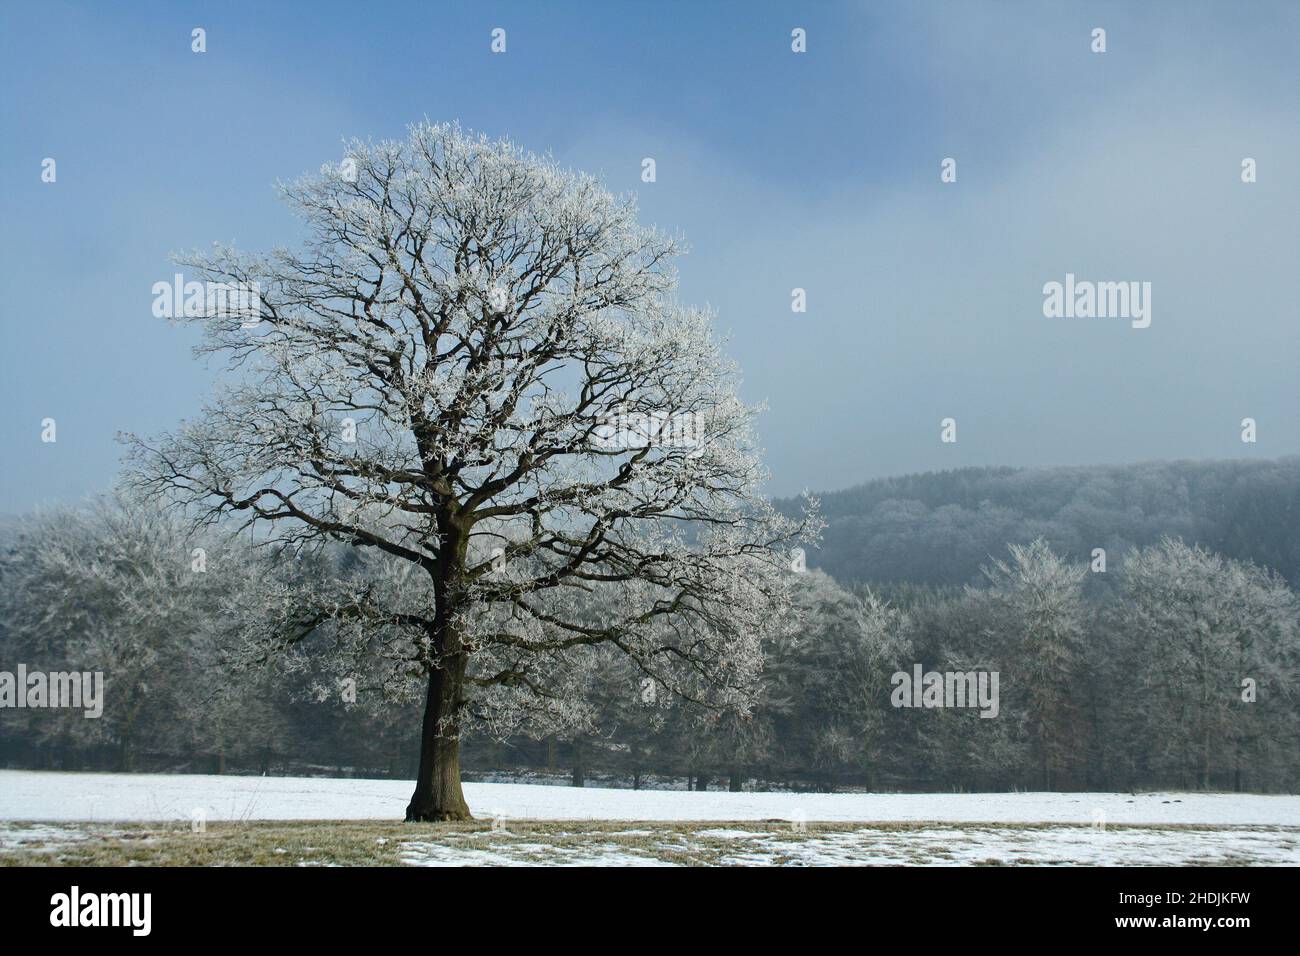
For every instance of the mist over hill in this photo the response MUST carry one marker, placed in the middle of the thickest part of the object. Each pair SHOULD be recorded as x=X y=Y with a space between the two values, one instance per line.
x=939 y=528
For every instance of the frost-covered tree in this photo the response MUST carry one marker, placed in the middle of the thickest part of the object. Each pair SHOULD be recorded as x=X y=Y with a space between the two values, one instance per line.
x=120 y=588
x=476 y=368
x=826 y=690
x=1039 y=630
x=879 y=647
x=1207 y=628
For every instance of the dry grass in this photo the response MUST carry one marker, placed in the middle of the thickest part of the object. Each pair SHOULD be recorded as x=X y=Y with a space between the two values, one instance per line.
x=377 y=843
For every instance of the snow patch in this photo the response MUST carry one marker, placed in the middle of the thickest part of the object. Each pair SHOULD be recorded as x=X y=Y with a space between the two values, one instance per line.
x=55 y=797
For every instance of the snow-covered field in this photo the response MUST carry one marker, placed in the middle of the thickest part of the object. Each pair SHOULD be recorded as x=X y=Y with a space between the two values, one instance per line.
x=146 y=819
x=51 y=797
x=875 y=846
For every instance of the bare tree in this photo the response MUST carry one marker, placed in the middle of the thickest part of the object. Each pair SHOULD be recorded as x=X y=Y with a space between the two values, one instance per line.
x=476 y=367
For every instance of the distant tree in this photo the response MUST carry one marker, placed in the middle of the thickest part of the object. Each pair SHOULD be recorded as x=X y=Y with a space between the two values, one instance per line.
x=1206 y=625
x=630 y=712
x=826 y=689
x=115 y=587
x=1039 y=632
x=878 y=647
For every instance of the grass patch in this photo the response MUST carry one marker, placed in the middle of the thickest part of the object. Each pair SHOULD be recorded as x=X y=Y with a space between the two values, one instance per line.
x=530 y=842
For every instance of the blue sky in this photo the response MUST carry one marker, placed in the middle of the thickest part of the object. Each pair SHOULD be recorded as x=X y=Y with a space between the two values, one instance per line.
x=817 y=170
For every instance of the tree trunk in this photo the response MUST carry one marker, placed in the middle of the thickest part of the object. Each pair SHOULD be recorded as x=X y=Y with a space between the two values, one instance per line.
x=579 y=764
x=1205 y=759
x=438 y=796
x=736 y=785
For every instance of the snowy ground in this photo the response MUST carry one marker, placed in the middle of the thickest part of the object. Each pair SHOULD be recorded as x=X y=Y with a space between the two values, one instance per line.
x=874 y=846
x=73 y=819
x=49 y=797
x=586 y=843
